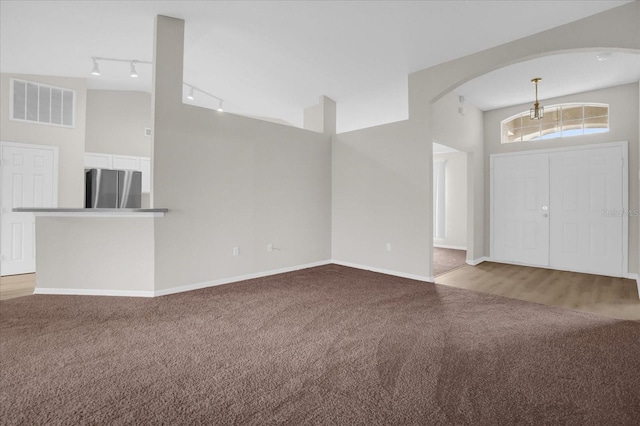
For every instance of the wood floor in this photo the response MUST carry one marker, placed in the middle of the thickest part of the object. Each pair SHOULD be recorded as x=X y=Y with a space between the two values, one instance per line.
x=612 y=297
x=17 y=285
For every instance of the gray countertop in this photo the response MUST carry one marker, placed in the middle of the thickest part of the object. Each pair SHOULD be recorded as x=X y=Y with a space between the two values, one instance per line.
x=97 y=212
x=75 y=210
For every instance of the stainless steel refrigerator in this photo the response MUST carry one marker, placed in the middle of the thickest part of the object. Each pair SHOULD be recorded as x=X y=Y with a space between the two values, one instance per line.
x=106 y=188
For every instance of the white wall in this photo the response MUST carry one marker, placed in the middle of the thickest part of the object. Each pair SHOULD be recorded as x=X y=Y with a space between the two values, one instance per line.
x=623 y=126
x=116 y=121
x=231 y=181
x=70 y=141
x=455 y=200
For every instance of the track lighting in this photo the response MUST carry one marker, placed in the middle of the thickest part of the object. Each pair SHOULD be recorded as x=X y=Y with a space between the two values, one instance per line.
x=134 y=73
x=133 y=62
x=96 y=69
x=193 y=89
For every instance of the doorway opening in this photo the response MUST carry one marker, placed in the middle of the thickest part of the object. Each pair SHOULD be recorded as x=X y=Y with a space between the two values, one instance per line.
x=450 y=210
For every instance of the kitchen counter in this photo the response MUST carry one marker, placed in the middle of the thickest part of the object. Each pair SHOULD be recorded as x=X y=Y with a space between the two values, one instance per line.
x=98 y=251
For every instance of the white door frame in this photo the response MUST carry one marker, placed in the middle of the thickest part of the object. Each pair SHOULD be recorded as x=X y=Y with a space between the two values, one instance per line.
x=53 y=149
x=625 y=194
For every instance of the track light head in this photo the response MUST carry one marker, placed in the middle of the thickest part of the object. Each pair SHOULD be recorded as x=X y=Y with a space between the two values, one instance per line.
x=134 y=73
x=190 y=95
x=220 y=107
x=96 y=69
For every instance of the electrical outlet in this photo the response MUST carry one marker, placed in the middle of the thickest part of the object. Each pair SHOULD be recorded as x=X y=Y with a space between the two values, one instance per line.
x=269 y=247
x=388 y=246
x=236 y=251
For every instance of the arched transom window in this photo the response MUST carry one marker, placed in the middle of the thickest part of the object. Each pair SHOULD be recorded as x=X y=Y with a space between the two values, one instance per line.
x=559 y=121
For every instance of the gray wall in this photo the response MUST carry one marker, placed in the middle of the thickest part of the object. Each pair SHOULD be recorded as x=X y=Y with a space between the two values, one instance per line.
x=382 y=187
x=231 y=181
x=116 y=121
x=464 y=132
x=70 y=141
x=84 y=254
x=380 y=190
x=623 y=124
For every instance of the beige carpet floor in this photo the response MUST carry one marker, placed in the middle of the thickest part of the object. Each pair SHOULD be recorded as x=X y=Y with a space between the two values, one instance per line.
x=445 y=260
x=324 y=346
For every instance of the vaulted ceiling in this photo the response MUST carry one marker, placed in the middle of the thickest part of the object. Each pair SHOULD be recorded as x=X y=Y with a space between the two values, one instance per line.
x=274 y=58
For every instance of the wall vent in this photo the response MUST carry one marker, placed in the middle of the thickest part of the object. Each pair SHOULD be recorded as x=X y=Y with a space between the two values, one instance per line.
x=147 y=131
x=39 y=103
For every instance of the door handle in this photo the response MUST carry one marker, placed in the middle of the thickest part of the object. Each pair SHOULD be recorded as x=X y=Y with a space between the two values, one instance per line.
x=545 y=215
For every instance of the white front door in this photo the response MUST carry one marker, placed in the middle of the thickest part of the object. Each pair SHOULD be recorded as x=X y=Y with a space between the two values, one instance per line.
x=520 y=209
x=587 y=215
x=28 y=180
x=563 y=209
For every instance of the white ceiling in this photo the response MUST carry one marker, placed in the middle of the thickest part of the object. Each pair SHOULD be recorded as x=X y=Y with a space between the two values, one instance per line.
x=561 y=75
x=274 y=58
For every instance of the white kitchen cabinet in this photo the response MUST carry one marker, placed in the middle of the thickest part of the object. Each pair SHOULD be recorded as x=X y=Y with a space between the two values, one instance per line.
x=125 y=162
x=145 y=168
x=94 y=160
x=121 y=162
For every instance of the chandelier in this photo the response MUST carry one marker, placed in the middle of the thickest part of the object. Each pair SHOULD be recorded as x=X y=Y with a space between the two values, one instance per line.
x=537 y=112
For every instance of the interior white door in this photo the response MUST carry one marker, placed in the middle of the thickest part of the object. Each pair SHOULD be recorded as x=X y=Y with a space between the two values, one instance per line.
x=520 y=209
x=28 y=180
x=587 y=210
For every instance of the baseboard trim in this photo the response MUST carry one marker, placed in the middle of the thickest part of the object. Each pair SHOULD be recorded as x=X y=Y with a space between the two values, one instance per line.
x=384 y=271
x=630 y=275
x=478 y=261
x=92 y=292
x=449 y=247
x=197 y=286
x=230 y=280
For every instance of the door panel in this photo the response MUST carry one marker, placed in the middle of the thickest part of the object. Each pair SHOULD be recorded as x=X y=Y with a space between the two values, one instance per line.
x=586 y=210
x=27 y=181
x=520 y=192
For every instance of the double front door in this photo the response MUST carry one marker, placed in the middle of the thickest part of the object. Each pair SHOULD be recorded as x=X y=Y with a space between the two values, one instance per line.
x=561 y=209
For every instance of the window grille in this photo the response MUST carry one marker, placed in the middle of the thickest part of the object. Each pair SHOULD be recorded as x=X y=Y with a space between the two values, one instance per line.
x=559 y=121
x=40 y=103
